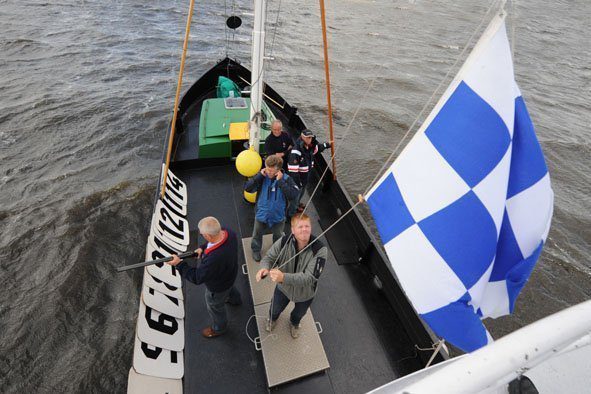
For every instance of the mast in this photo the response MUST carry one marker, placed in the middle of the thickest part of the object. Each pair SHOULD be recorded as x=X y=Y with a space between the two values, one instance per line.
x=257 y=74
x=176 y=100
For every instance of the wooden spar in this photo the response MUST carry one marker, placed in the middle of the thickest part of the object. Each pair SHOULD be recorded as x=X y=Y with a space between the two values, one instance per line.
x=176 y=98
x=327 y=72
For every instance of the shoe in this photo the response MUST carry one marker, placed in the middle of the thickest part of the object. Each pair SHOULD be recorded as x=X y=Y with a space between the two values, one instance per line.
x=234 y=303
x=295 y=330
x=209 y=332
x=301 y=208
x=256 y=256
x=270 y=325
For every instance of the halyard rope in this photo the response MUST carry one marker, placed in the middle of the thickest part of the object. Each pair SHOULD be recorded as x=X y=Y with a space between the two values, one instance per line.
x=378 y=174
x=428 y=103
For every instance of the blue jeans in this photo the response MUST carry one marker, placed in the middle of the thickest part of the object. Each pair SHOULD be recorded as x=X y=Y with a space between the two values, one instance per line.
x=279 y=303
x=259 y=229
x=216 y=306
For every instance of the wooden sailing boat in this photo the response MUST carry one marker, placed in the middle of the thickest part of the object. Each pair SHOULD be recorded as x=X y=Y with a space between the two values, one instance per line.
x=201 y=181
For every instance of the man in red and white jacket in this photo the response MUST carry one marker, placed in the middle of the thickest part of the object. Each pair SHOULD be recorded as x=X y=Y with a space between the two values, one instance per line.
x=301 y=160
x=217 y=270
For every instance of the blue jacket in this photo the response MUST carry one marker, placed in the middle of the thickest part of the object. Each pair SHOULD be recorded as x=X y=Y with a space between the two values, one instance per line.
x=272 y=197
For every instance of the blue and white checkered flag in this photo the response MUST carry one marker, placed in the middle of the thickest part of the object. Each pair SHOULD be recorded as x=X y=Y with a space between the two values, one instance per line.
x=465 y=209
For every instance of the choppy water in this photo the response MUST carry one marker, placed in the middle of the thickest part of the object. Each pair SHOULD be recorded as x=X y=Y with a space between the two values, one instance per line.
x=86 y=91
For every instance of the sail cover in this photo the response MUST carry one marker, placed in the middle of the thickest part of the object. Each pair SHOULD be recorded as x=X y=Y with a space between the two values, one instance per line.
x=464 y=211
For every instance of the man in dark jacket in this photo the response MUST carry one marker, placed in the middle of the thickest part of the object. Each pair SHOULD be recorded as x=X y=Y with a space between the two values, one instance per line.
x=301 y=160
x=218 y=270
x=274 y=191
x=278 y=142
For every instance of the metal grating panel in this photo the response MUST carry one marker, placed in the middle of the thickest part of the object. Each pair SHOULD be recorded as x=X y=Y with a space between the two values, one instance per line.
x=287 y=359
x=263 y=290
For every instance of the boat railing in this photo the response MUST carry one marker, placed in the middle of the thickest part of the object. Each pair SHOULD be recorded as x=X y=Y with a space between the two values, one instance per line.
x=492 y=367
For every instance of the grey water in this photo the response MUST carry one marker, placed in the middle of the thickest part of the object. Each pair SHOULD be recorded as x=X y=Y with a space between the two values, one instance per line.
x=86 y=93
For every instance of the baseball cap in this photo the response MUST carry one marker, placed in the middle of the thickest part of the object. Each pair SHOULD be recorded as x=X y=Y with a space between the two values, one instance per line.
x=307 y=133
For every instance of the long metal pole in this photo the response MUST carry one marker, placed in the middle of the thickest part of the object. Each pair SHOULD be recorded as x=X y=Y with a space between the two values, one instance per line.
x=162 y=260
x=176 y=98
x=257 y=73
x=327 y=73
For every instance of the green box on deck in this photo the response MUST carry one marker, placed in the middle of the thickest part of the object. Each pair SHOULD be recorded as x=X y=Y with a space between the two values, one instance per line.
x=214 y=126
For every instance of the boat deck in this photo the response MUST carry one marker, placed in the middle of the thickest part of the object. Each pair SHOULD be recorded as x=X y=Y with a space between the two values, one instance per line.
x=369 y=334
x=365 y=341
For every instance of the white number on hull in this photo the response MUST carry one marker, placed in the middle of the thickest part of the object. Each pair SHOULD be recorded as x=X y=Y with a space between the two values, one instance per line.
x=177 y=187
x=144 y=384
x=155 y=361
x=170 y=225
x=161 y=286
x=163 y=303
x=162 y=271
x=173 y=205
x=164 y=244
x=159 y=329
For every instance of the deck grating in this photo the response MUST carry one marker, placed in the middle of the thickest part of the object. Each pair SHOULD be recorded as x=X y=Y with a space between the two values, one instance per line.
x=263 y=290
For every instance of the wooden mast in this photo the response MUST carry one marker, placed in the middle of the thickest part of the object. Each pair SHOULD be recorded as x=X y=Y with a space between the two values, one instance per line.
x=327 y=73
x=176 y=99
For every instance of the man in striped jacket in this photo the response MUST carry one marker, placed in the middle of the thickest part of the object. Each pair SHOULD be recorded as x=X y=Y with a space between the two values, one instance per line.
x=301 y=161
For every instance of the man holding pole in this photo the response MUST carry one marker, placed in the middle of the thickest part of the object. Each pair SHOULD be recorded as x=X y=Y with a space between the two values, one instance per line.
x=218 y=270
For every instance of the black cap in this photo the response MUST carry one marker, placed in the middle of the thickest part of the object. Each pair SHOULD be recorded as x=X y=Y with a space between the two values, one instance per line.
x=307 y=133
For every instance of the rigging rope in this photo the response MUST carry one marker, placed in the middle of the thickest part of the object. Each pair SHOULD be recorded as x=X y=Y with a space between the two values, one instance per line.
x=227 y=31
x=360 y=199
x=233 y=30
x=272 y=51
x=347 y=131
x=226 y=26
x=428 y=103
x=322 y=233
x=513 y=24
x=327 y=166
x=274 y=265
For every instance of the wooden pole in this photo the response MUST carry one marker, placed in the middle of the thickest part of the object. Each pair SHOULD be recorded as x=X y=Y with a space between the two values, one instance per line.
x=176 y=99
x=327 y=73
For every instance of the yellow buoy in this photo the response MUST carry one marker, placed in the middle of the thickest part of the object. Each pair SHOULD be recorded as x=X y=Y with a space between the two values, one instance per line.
x=248 y=162
x=250 y=197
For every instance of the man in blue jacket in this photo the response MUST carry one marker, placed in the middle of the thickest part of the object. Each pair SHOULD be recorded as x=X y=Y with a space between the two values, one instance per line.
x=274 y=191
x=218 y=270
